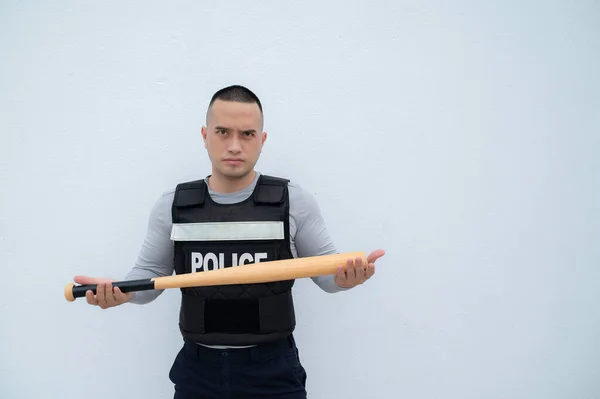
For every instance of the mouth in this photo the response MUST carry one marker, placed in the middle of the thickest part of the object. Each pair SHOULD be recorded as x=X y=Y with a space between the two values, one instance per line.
x=233 y=161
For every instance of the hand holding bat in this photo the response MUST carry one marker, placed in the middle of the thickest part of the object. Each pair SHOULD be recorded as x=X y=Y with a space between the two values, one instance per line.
x=358 y=273
x=105 y=296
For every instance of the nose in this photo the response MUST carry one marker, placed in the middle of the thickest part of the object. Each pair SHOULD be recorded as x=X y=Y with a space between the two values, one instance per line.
x=235 y=146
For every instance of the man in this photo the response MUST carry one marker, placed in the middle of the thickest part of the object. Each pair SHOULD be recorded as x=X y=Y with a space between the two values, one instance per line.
x=238 y=339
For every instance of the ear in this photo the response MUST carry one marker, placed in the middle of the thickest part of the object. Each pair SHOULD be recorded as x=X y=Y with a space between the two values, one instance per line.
x=264 y=138
x=204 y=135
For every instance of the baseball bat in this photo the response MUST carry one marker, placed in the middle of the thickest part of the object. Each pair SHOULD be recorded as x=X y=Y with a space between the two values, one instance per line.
x=261 y=272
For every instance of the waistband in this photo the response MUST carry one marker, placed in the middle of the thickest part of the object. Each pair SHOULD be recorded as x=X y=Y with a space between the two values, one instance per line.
x=238 y=355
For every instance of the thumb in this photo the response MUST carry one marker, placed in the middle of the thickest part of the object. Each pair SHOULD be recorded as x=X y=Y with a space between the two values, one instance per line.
x=373 y=256
x=88 y=280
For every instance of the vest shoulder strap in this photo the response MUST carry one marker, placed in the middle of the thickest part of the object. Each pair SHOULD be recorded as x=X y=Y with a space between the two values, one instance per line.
x=189 y=194
x=270 y=190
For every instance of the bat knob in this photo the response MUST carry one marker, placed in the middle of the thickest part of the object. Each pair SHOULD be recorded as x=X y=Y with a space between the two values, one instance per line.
x=69 y=292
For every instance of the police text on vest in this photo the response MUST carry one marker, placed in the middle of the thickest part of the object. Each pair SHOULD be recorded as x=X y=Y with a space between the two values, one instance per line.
x=211 y=261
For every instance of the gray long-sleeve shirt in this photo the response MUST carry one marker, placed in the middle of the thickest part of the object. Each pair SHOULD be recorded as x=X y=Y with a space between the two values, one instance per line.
x=308 y=236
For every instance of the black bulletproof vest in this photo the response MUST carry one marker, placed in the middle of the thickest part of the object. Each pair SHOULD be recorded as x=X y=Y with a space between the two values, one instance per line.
x=208 y=235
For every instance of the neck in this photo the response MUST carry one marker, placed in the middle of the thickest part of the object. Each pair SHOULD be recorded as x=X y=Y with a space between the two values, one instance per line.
x=224 y=184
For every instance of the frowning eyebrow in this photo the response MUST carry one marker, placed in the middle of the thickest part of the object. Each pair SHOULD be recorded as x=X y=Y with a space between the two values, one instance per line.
x=228 y=129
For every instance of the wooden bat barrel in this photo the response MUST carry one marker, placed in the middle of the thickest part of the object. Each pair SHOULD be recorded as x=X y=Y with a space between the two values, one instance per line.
x=262 y=272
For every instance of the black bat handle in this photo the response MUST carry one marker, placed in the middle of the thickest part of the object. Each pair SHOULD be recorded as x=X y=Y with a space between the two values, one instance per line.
x=73 y=291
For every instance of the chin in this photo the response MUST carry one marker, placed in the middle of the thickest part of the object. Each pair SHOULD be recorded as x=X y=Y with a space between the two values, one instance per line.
x=233 y=173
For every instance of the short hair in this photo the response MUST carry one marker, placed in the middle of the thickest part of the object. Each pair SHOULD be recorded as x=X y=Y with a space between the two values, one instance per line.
x=236 y=93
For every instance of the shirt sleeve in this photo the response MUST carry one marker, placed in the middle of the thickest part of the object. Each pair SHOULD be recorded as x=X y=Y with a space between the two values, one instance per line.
x=155 y=258
x=312 y=237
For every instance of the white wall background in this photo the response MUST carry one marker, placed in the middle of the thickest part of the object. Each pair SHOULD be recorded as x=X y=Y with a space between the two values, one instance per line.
x=461 y=137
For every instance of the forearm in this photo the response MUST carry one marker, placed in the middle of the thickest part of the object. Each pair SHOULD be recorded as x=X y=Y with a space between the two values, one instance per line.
x=311 y=236
x=156 y=254
x=327 y=284
x=140 y=273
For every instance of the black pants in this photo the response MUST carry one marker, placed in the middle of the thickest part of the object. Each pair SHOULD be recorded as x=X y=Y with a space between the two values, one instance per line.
x=264 y=371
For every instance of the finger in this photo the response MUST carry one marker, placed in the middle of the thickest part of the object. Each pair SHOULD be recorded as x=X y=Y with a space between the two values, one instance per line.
x=91 y=299
x=101 y=295
x=359 y=271
x=373 y=256
x=358 y=263
x=340 y=277
x=84 y=280
x=350 y=274
x=121 y=297
x=110 y=295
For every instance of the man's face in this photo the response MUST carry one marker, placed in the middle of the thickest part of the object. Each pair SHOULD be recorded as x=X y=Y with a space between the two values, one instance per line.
x=233 y=137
